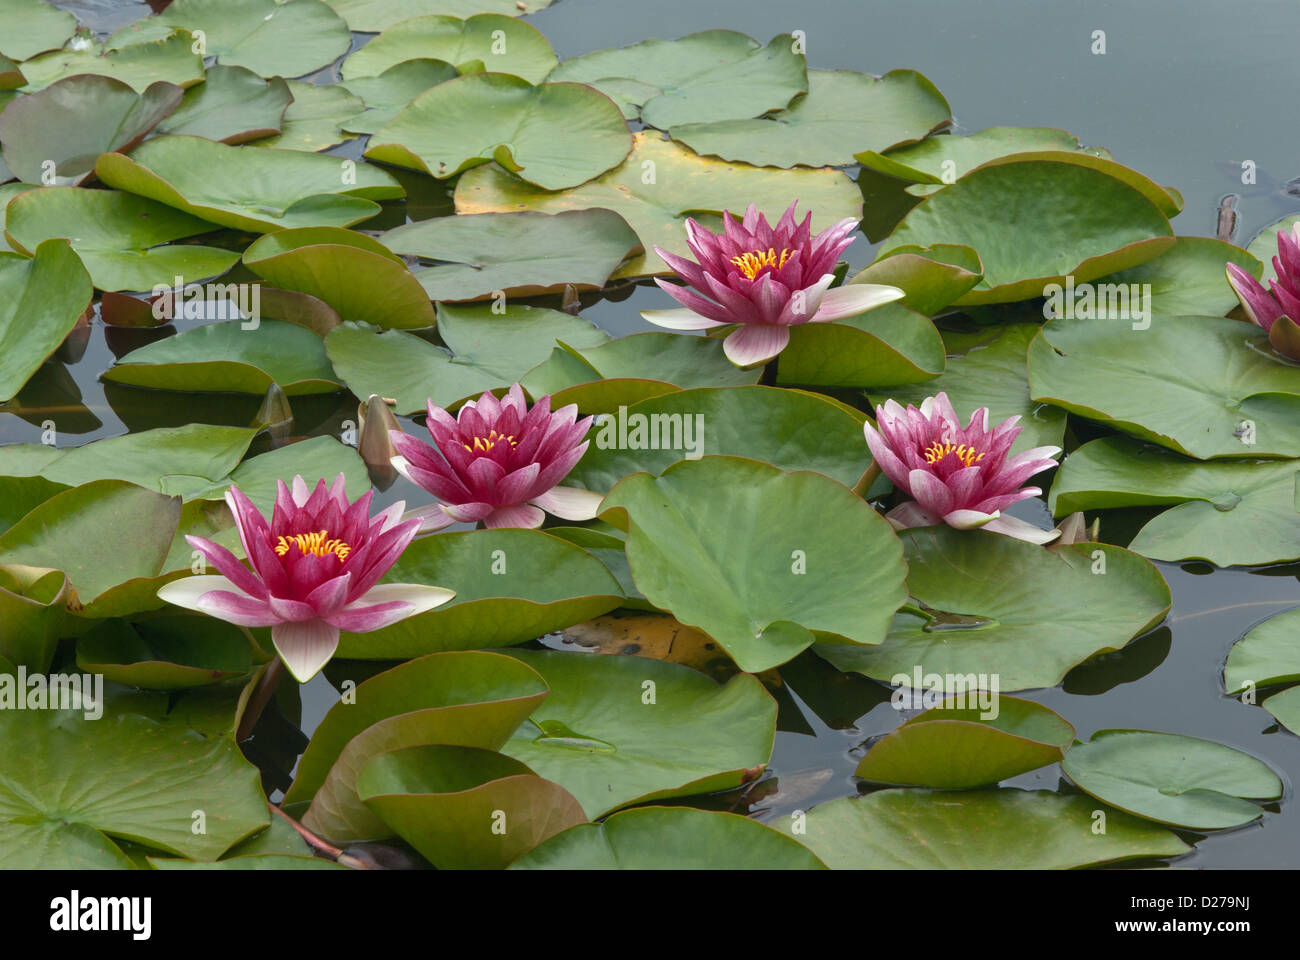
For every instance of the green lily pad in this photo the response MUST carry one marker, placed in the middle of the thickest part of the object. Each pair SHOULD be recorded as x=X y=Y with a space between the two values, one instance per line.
x=170 y=58
x=488 y=350
x=1265 y=656
x=266 y=36
x=1189 y=278
x=487 y=41
x=385 y=95
x=32 y=602
x=317 y=457
x=360 y=279
x=1214 y=376
x=670 y=838
x=843 y=113
x=819 y=560
x=511 y=586
x=232 y=104
x=312 y=121
x=465 y=808
x=1028 y=636
x=955 y=747
x=714 y=75
x=123 y=240
x=250 y=188
x=518 y=254
x=981 y=830
x=1285 y=707
x=789 y=429
x=40 y=301
x=368 y=16
x=931 y=277
x=889 y=344
x=481 y=117
x=1169 y=778
x=1225 y=512
x=165 y=653
x=11 y=77
x=658 y=187
x=940 y=160
x=71 y=122
x=620 y=730
x=1264 y=246
x=33 y=26
x=1036 y=218
x=988 y=369
x=150 y=777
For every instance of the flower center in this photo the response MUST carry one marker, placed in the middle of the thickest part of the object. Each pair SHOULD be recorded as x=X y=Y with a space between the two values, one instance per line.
x=315 y=543
x=752 y=264
x=968 y=455
x=485 y=444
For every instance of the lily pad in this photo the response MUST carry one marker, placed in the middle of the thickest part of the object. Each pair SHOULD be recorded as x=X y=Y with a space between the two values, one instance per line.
x=1027 y=636
x=123 y=240
x=511 y=586
x=252 y=359
x=487 y=41
x=620 y=730
x=931 y=277
x=1225 y=512
x=819 y=560
x=33 y=26
x=368 y=16
x=165 y=653
x=170 y=58
x=954 y=746
x=518 y=254
x=1189 y=278
x=1216 y=378
x=658 y=187
x=890 y=344
x=312 y=121
x=232 y=104
x=981 y=830
x=323 y=457
x=385 y=95
x=1173 y=779
x=250 y=188
x=670 y=838
x=40 y=301
x=714 y=75
x=1265 y=656
x=954 y=156
x=843 y=113
x=32 y=602
x=71 y=122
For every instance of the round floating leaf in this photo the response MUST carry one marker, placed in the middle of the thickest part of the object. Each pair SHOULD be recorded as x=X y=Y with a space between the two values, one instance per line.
x=148 y=777
x=32 y=602
x=496 y=116
x=250 y=188
x=843 y=113
x=620 y=730
x=386 y=94
x=123 y=240
x=312 y=121
x=488 y=351
x=487 y=41
x=273 y=352
x=40 y=301
x=817 y=558
x=659 y=186
x=931 y=277
x=1183 y=781
x=319 y=457
x=1215 y=377
x=511 y=586
x=518 y=254
x=1267 y=655
x=933 y=158
x=165 y=653
x=1189 y=278
x=169 y=58
x=890 y=344
x=982 y=830
x=954 y=746
x=71 y=122
x=709 y=76
x=343 y=269
x=1285 y=706
x=1056 y=608
x=465 y=808
x=670 y=838
x=1036 y=219
x=988 y=369
x=368 y=16
x=266 y=36
x=789 y=429
x=1226 y=513
x=33 y=26
x=233 y=105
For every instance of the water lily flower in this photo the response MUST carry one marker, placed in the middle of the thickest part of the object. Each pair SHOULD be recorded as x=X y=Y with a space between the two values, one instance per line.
x=1278 y=311
x=956 y=475
x=767 y=279
x=498 y=461
x=314 y=572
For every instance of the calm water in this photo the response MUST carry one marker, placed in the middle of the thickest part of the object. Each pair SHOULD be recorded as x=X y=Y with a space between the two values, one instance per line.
x=1186 y=91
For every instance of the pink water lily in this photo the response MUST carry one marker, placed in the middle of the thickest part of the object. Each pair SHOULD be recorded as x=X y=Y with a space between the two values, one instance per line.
x=314 y=571
x=956 y=475
x=765 y=278
x=498 y=461
x=1276 y=309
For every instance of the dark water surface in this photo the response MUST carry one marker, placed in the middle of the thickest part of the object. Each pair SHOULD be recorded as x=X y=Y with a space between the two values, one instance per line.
x=1186 y=91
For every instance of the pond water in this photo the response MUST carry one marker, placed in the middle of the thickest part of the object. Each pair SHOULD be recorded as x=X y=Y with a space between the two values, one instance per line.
x=1186 y=91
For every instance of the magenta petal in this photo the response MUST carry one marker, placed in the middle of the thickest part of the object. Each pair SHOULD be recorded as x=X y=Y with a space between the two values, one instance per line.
x=521 y=515
x=229 y=567
x=238 y=609
x=930 y=492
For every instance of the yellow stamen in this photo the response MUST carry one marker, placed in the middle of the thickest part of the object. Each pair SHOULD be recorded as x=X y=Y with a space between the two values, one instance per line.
x=963 y=452
x=315 y=543
x=752 y=263
x=485 y=445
